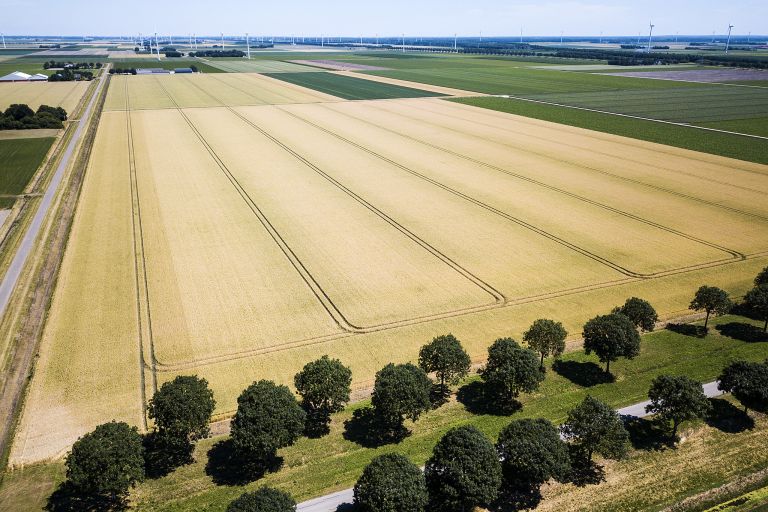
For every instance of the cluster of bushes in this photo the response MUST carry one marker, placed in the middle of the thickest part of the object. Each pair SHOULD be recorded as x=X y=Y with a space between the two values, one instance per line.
x=217 y=53
x=466 y=469
x=22 y=117
x=71 y=65
x=122 y=71
x=68 y=75
x=173 y=53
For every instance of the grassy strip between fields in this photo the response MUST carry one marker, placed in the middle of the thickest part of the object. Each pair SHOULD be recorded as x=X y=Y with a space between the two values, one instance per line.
x=314 y=467
x=19 y=159
x=350 y=88
x=755 y=501
x=716 y=143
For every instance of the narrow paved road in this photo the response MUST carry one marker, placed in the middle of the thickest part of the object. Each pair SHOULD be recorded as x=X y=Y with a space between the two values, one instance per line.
x=28 y=241
x=332 y=502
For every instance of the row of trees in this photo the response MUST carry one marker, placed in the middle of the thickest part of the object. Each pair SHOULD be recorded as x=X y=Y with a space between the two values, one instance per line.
x=52 y=64
x=21 y=117
x=68 y=75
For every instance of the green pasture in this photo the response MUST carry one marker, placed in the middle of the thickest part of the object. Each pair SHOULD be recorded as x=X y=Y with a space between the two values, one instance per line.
x=19 y=159
x=350 y=88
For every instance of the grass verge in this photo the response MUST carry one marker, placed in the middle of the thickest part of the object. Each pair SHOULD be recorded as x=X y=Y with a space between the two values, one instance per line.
x=723 y=144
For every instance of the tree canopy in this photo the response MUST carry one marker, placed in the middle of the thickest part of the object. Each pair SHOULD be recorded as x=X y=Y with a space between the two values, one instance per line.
x=511 y=370
x=21 y=117
x=463 y=471
x=182 y=408
x=757 y=300
x=325 y=387
x=677 y=398
x=400 y=391
x=711 y=299
x=268 y=418
x=640 y=312
x=265 y=499
x=593 y=427
x=391 y=483
x=748 y=382
x=531 y=453
x=611 y=337
x=107 y=461
x=446 y=358
x=546 y=337
x=762 y=277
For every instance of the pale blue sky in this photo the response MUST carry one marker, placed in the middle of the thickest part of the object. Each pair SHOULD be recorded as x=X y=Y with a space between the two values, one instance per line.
x=388 y=17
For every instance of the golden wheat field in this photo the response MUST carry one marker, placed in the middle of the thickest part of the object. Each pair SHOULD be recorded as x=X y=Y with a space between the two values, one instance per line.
x=55 y=94
x=235 y=227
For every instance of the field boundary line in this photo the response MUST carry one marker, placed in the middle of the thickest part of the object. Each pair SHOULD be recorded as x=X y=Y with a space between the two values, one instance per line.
x=727 y=84
x=588 y=134
x=143 y=313
x=527 y=225
x=685 y=125
x=334 y=312
x=735 y=254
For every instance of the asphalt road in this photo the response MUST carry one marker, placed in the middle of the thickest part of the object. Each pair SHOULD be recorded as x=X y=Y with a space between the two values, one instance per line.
x=341 y=499
x=11 y=277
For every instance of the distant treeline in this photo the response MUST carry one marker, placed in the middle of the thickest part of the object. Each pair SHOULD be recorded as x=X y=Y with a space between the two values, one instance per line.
x=68 y=75
x=21 y=117
x=217 y=53
x=71 y=65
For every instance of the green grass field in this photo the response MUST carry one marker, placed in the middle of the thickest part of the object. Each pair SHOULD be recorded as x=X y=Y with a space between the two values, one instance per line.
x=350 y=88
x=755 y=126
x=19 y=159
x=732 y=146
x=314 y=467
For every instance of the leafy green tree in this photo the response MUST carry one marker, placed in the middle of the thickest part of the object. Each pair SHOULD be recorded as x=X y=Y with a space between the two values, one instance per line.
x=677 y=399
x=531 y=453
x=400 y=391
x=325 y=387
x=611 y=337
x=106 y=462
x=593 y=427
x=268 y=418
x=640 y=312
x=19 y=111
x=463 y=472
x=762 y=277
x=182 y=409
x=748 y=382
x=546 y=337
x=57 y=112
x=711 y=299
x=757 y=300
x=446 y=358
x=511 y=370
x=266 y=499
x=391 y=483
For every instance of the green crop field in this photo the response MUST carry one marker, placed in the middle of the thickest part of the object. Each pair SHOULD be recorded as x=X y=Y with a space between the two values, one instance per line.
x=19 y=159
x=314 y=466
x=165 y=64
x=350 y=88
x=732 y=146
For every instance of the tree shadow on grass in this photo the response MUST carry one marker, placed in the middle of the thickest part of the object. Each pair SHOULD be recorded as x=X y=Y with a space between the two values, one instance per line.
x=162 y=457
x=582 y=374
x=513 y=499
x=645 y=434
x=584 y=471
x=743 y=332
x=728 y=418
x=226 y=468
x=439 y=395
x=365 y=429
x=744 y=310
x=696 y=331
x=478 y=399
x=67 y=499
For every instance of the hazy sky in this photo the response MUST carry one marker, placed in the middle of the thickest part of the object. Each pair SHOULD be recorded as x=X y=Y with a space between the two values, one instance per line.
x=388 y=17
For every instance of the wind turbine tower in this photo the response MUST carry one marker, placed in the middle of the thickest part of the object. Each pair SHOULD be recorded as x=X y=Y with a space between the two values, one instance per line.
x=248 y=45
x=157 y=46
x=728 y=41
x=222 y=40
x=4 y=47
x=650 y=36
x=455 y=43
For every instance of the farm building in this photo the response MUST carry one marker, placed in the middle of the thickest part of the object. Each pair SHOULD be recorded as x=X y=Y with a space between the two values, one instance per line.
x=183 y=70
x=19 y=76
x=152 y=71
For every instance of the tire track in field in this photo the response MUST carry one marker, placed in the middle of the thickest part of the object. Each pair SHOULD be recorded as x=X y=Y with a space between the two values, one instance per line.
x=734 y=254
x=526 y=120
x=607 y=173
x=144 y=316
x=570 y=245
x=499 y=298
x=333 y=311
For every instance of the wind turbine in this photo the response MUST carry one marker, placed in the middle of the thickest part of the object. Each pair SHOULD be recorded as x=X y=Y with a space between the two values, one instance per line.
x=561 y=38
x=157 y=46
x=455 y=43
x=650 y=36
x=248 y=45
x=4 y=47
x=403 y=43
x=222 y=40
x=728 y=41
x=521 y=34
